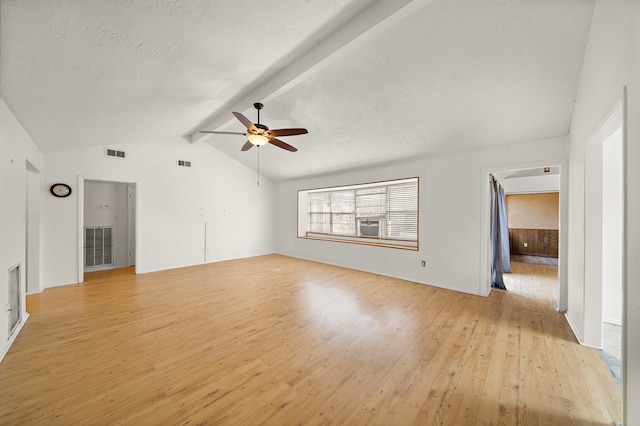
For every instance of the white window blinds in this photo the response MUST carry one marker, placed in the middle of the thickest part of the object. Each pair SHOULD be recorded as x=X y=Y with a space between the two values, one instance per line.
x=386 y=211
x=402 y=211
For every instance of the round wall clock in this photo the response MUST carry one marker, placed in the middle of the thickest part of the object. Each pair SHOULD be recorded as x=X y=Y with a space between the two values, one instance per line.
x=60 y=190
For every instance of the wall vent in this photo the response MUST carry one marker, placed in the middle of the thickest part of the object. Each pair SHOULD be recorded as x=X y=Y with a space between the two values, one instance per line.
x=115 y=153
x=98 y=246
x=14 y=308
x=184 y=163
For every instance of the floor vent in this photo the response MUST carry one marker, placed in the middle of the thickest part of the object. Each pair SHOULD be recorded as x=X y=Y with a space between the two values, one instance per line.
x=184 y=163
x=115 y=153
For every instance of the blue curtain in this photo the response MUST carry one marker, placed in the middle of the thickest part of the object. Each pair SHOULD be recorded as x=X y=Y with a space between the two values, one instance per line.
x=500 y=261
x=504 y=230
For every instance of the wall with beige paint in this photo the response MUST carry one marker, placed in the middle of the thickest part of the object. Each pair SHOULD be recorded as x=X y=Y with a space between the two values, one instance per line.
x=533 y=211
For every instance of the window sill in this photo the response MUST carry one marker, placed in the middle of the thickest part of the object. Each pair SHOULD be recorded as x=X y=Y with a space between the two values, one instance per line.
x=396 y=244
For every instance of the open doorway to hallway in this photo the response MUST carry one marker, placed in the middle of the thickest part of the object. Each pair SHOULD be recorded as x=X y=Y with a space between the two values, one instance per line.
x=533 y=206
x=108 y=225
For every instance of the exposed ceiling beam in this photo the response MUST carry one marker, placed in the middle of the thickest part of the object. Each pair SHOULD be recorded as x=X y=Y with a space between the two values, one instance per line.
x=310 y=58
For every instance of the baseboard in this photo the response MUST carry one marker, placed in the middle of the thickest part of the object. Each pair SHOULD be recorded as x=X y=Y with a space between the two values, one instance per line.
x=13 y=337
x=573 y=328
x=578 y=336
x=400 y=277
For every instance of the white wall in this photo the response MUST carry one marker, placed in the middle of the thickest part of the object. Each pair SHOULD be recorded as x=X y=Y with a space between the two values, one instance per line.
x=105 y=204
x=531 y=184
x=612 y=60
x=612 y=228
x=174 y=203
x=451 y=206
x=592 y=326
x=17 y=148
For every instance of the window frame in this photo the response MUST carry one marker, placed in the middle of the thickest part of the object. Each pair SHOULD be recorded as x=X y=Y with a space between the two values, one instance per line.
x=304 y=213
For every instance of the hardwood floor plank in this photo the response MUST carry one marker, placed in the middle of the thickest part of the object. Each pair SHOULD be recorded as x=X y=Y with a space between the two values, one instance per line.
x=277 y=340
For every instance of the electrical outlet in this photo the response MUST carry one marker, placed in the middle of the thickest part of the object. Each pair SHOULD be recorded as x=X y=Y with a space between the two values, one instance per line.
x=424 y=263
x=526 y=244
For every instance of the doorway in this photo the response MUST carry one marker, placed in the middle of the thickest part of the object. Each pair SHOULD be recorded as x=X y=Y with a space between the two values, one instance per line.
x=32 y=255
x=604 y=231
x=539 y=177
x=108 y=227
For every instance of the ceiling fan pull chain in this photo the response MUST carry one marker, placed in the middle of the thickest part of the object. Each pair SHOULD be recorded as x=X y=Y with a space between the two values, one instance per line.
x=258 y=157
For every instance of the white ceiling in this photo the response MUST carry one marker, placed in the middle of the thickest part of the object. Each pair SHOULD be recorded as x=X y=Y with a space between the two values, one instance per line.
x=375 y=82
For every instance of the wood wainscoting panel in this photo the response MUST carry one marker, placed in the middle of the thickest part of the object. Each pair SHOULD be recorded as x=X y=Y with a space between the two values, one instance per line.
x=539 y=242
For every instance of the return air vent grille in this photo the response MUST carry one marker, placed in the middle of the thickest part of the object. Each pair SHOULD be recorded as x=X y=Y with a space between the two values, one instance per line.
x=115 y=153
x=98 y=246
x=184 y=163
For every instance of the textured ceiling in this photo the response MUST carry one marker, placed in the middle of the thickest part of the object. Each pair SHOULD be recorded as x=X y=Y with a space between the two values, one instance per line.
x=374 y=82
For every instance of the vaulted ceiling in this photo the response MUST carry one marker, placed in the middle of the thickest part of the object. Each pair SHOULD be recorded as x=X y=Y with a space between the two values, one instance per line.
x=375 y=82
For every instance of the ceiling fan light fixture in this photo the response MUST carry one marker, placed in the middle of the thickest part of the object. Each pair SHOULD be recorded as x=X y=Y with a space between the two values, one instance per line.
x=258 y=140
x=259 y=134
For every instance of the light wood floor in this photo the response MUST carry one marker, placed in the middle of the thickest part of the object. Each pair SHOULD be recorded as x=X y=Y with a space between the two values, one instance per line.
x=283 y=341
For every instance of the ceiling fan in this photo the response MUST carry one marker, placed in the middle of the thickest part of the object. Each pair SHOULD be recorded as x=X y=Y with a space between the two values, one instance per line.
x=259 y=134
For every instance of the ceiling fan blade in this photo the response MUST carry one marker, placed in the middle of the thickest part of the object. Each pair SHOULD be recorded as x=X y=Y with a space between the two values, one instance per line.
x=247 y=146
x=244 y=120
x=283 y=145
x=288 y=132
x=222 y=133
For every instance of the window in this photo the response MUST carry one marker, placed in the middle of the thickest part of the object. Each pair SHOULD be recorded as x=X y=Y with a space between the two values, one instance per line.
x=383 y=213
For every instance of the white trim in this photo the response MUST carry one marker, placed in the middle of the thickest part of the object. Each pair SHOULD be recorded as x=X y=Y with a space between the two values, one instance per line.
x=625 y=278
x=573 y=327
x=612 y=321
x=13 y=336
x=396 y=276
x=600 y=127
x=602 y=132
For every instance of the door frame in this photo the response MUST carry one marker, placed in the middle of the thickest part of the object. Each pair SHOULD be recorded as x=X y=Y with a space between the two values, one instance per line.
x=131 y=224
x=80 y=242
x=33 y=231
x=563 y=237
x=592 y=311
x=592 y=299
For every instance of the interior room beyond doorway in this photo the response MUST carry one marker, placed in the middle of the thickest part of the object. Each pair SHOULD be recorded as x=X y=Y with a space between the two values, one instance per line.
x=109 y=225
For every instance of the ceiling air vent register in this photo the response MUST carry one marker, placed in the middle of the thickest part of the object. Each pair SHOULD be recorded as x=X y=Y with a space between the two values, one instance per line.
x=114 y=153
